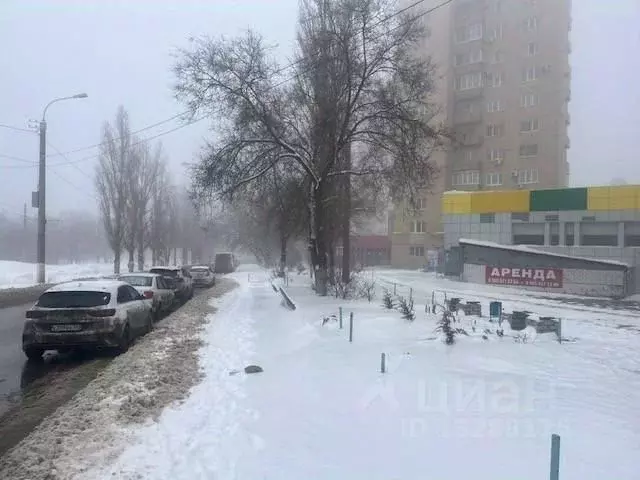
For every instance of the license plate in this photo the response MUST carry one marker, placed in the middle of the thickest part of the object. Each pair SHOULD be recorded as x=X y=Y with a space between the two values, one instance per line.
x=66 y=327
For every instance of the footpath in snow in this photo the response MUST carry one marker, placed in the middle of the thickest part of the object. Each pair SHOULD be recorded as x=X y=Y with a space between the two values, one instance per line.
x=483 y=408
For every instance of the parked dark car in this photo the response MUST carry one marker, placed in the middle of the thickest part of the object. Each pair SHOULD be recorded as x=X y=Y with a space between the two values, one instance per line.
x=95 y=313
x=225 y=263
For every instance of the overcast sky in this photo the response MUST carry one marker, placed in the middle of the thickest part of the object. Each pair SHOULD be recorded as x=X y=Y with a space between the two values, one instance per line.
x=120 y=52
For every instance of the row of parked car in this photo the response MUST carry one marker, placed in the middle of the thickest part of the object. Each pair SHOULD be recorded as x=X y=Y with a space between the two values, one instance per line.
x=110 y=311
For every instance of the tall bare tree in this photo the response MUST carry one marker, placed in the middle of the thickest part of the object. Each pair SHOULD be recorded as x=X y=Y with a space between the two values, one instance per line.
x=112 y=181
x=355 y=82
x=143 y=170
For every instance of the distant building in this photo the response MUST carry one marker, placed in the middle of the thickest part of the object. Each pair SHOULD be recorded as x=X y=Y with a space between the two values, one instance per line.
x=503 y=80
x=368 y=250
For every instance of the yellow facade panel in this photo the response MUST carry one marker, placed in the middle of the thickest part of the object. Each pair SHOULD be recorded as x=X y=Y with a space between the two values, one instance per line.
x=624 y=197
x=500 y=201
x=456 y=203
x=598 y=198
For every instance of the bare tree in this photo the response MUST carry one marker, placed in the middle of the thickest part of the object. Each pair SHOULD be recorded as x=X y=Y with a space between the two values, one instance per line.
x=163 y=200
x=356 y=82
x=143 y=174
x=112 y=182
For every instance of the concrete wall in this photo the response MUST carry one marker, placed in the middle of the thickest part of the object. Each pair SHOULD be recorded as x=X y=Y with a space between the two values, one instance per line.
x=580 y=277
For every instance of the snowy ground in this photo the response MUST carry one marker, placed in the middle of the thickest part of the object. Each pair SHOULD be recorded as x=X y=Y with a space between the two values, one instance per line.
x=483 y=409
x=20 y=274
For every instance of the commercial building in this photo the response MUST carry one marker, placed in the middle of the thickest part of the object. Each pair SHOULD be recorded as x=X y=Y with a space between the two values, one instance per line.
x=590 y=231
x=503 y=81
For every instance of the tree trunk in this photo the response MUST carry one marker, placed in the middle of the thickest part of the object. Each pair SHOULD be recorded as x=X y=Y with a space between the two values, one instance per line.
x=154 y=256
x=116 y=262
x=332 y=263
x=131 y=264
x=346 y=221
x=318 y=241
x=283 y=254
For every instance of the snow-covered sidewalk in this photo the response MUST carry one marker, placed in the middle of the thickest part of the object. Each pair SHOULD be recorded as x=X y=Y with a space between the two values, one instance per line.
x=481 y=409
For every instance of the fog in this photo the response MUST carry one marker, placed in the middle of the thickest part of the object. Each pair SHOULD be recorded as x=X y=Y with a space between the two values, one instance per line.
x=120 y=52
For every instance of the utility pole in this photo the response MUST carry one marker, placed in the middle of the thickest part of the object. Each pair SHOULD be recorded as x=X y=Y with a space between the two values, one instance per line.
x=42 y=194
x=24 y=233
x=42 y=219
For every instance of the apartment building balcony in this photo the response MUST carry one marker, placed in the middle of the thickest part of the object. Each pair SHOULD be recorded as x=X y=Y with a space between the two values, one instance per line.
x=469 y=94
x=467 y=118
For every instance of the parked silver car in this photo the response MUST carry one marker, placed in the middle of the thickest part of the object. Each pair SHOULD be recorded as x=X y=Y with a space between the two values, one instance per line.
x=100 y=313
x=183 y=284
x=203 y=276
x=155 y=288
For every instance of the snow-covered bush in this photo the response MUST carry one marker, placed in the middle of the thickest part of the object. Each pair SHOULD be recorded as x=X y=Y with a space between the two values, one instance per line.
x=406 y=308
x=366 y=289
x=387 y=300
x=445 y=327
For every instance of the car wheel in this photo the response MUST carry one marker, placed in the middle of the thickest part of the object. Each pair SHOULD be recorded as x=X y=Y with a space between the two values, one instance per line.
x=125 y=339
x=150 y=320
x=34 y=354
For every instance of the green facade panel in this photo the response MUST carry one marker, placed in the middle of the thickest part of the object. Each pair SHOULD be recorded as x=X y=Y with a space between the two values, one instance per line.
x=558 y=199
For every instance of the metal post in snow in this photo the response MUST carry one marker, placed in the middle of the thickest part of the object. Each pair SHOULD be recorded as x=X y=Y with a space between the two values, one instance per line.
x=340 y=318
x=394 y=289
x=351 y=327
x=383 y=361
x=559 y=332
x=554 y=473
x=411 y=293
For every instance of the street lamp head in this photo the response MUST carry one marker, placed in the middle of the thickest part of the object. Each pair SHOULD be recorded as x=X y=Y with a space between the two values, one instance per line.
x=81 y=95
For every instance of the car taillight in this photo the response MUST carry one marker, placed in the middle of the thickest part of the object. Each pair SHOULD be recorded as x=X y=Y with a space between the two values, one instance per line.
x=110 y=312
x=148 y=294
x=35 y=314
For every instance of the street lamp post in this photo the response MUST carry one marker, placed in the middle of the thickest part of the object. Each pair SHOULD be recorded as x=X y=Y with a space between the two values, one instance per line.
x=42 y=173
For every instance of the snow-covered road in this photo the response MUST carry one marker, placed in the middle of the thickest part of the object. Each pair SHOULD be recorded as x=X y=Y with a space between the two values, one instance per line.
x=482 y=409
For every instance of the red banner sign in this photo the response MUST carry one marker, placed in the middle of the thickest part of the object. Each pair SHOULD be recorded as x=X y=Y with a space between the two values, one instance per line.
x=526 y=277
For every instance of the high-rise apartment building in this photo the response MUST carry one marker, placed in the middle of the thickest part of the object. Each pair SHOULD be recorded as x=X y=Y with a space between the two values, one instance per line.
x=503 y=84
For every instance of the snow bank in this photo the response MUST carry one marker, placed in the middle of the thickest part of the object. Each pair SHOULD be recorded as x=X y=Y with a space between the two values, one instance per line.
x=134 y=388
x=20 y=274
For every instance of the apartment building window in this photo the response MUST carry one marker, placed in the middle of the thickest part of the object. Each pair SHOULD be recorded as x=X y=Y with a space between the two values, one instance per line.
x=495 y=155
x=421 y=203
x=494 y=106
x=416 y=251
x=530 y=125
x=469 y=33
x=528 y=176
x=530 y=150
x=531 y=24
x=494 y=79
x=468 y=58
x=469 y=81
x=418 y=226
x=528 y=100
x=493 y=179
x=468 y=156
x=530 y=74
x=466 y=177
x=532 y=49
x=494 y=130
x=496 y=33
x=498 y=56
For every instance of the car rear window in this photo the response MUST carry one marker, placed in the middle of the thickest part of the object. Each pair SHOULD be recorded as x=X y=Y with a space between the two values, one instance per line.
x=138 y=281
x=200 y=269
x=73 y=299
x=166 y=273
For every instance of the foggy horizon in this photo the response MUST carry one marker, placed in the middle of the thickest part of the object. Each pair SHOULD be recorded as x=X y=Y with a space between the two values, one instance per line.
x=65 y=52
